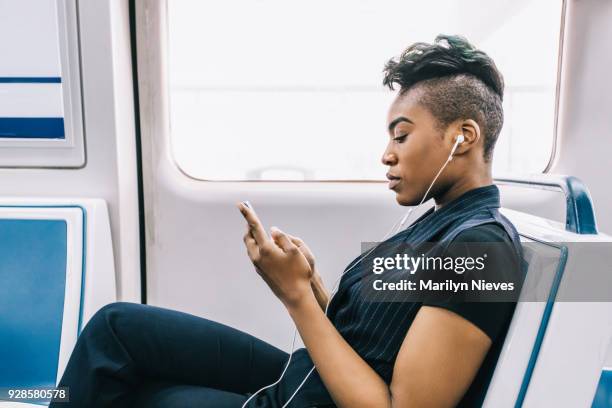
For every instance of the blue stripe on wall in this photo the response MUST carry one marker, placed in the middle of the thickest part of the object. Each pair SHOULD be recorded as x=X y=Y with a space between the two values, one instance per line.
x=32 y=128
x=30 y=80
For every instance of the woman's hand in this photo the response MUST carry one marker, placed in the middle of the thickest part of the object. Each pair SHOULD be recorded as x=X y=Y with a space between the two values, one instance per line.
x=316 y=282
x=304 y=250
x=278 y=261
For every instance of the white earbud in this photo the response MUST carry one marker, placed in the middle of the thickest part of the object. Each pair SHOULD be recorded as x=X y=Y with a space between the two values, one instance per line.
x=460 y=139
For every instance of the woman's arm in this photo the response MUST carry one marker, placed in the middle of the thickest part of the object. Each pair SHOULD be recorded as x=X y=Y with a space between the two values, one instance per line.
x=349 y=379
x=438 y=359
x=319 y=290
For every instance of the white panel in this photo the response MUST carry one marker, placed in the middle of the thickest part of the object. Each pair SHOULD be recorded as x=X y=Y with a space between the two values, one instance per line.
x=29 y=32
x=584 y=145
x=57 y=55
x=100 y=282
x=31 y=100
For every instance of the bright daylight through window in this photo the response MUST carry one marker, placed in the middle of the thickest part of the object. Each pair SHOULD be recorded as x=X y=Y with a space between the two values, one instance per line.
x=300 y=96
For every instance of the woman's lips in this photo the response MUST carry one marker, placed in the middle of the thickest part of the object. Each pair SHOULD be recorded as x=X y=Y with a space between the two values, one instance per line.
x=393 y=183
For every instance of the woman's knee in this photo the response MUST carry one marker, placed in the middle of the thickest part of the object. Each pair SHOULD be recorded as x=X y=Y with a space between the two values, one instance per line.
x=103 y=318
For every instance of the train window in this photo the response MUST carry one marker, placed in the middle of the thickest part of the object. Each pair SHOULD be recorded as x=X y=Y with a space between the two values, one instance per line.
x=277 y=90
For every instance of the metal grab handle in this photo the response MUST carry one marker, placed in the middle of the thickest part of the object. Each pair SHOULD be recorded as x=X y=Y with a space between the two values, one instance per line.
x=580 y=213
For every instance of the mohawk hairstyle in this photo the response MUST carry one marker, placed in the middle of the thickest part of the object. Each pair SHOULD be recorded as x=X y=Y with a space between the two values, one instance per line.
x=458 y=82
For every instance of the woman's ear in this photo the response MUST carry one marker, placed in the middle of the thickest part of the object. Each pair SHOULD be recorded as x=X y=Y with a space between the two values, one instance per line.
x=471 y=133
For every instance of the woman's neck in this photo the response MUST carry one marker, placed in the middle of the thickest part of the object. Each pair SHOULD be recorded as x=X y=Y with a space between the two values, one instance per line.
x=461 y=187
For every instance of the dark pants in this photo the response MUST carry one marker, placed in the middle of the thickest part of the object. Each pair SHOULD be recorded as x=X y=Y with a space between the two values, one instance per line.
x=132 y=355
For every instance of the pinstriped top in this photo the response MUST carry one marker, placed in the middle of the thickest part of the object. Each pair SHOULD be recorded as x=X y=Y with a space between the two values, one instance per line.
x=376 y=330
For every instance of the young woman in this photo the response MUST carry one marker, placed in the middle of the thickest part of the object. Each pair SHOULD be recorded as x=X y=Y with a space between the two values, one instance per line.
x=432 y=353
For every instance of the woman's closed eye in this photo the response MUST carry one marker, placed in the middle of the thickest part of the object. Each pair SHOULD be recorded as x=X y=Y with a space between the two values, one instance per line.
x=400 y=138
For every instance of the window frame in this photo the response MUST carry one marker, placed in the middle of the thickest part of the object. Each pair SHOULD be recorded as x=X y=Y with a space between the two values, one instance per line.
x=161 y=80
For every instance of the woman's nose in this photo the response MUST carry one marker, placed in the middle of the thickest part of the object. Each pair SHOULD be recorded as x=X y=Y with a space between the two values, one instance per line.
x=388 y=158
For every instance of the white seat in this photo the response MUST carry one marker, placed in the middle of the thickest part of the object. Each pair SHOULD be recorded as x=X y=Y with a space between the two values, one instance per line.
x=509 y=379
x=551 y=339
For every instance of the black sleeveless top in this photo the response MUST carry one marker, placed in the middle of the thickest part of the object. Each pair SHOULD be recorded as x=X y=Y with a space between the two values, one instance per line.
x=376 y=330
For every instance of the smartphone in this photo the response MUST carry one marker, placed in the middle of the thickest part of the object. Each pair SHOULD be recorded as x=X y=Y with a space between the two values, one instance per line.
x=250 y=206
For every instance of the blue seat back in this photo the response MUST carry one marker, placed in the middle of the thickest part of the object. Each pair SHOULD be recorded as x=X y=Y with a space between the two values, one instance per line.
x=33 y=257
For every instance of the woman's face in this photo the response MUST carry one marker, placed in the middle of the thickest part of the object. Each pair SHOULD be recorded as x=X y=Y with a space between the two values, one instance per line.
x=416 y=150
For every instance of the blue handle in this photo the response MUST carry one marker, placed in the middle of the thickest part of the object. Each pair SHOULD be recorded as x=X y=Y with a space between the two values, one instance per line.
x=580 y=214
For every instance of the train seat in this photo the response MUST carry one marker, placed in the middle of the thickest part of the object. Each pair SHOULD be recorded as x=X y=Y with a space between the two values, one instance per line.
x=546 y=265
x=540 y=350
x=603 y=395
x=52 y=256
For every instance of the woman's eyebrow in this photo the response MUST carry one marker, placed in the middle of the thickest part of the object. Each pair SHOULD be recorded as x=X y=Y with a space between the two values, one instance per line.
x=398 y=120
